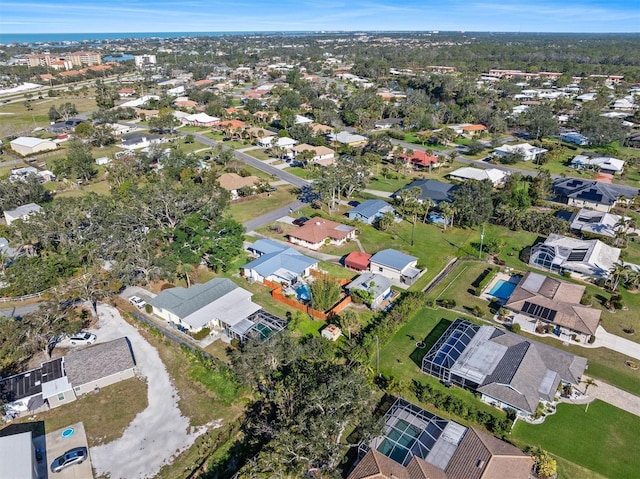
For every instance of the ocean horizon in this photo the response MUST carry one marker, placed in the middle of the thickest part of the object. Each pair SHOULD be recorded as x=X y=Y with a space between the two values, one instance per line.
x=8 y=38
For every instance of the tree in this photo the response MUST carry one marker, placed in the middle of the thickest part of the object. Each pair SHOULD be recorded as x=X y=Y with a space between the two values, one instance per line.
x=544 y=465
x=587 y=383
x=599 y=129
x=539 y=121
x=448 y=213
x=386 y=221
x=62 y=112
x=325 y=292
x=106 y=96
x=102 y=135
x=408 y=204
x=473 y=202
x=349 y=321
x=165 y=121
x=79 y=162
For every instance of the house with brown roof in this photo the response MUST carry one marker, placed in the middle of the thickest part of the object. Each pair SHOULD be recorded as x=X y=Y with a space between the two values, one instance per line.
x=542 y=300
x=319 y=129
x=317 y=232
x=420 y=445
x=322 y=155
x=420 y=160
x=358 y=260
x=233 y=182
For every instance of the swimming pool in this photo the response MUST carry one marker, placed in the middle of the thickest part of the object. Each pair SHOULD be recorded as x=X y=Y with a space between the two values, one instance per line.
x=502 y=289
x=303 y=292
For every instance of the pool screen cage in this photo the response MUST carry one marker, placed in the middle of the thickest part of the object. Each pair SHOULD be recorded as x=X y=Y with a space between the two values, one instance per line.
x=446 y=351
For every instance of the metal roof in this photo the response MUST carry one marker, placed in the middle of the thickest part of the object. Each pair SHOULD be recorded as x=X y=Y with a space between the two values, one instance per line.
x=393 y=258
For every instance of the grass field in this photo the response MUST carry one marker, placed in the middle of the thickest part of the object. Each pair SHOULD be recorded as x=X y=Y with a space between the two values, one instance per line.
x=105 y=414
x=252 y=209
x=602 y=439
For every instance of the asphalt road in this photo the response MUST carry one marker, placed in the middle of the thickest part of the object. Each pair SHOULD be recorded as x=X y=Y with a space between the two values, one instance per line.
x=260 y=165
x=273 y=215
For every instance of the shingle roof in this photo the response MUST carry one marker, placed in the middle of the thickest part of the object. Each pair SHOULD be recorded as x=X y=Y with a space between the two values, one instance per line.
x=317 y=230
x=185 y=301
x=363 y=282
x=393 y=258
x=285 y=258
x=432 y=189
x=98 y=361
x=592 y=191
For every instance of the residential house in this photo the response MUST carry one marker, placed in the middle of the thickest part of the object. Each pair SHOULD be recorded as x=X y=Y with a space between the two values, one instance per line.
x=468 y=129
x=21 y=212
x=603 y=164
x=346 y=138
x=395 y=265
x=272 y=141
x=277 y=263
x=232 y=182
x=357 y=260
x=6 y=252
x=373 y=288
x=200 y=119
x=25 y=145
x=417 y=444
x=302 y=120
x=420 y=160
x=494 y=175
x=596 y=195
x=218 y=304
x=317 y=232
x=575 y=138
x=322 y=155
x=126 y=92
x=435 y=191
x=63 y=380
x=596 y=223
x=98 y=366
x=137 y=141
x=509 y=371
x=528 y=152
x=370 y=210
x=319 y=129
x=588 y=258
x=18 y=456
x=387 y=123
x=539 y=299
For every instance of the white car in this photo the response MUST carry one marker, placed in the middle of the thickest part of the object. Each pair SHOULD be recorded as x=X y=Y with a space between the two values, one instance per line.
x=82 y=338
x=137 y=302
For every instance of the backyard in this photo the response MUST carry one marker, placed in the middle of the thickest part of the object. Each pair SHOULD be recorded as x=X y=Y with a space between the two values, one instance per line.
x=601 y=438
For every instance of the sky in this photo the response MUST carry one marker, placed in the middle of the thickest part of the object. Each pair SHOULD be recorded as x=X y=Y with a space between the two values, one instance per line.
x=98 y=16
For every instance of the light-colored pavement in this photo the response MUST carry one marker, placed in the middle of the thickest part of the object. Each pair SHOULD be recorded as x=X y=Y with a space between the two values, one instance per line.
x=157 y=434
x=382 y=194
x=616 y=343
x=56 y=446
x=609 y=394
x=273 y=216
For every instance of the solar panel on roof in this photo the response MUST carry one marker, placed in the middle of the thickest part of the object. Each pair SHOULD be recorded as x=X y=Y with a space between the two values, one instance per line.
x=577 y=254
x=539 y=311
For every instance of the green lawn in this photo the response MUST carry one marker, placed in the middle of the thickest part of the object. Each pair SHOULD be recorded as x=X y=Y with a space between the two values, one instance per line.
x=401 y=359
x=602 y=439
x=259 y=206
x=259 y=154
x=302 y=173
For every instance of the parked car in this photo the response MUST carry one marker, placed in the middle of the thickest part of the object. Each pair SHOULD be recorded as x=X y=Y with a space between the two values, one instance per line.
x=77 y=455
x=137 y=302
x=82 y=338
x=300 y=221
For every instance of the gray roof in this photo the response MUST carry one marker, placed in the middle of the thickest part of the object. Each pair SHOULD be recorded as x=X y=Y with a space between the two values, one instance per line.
x=16 y=456
x=29 y=383
x=592 y=191
x=185 y=301
x=370 y=208
x=381 y=285
x=393 y=258
x=595 y=222
x=98 y=361
x=6 y=249
x=434 y=190
x=24 y=210
x=278 y=258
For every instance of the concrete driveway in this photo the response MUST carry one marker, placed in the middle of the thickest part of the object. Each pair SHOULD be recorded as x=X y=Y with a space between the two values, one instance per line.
x=157 y=434
x=57 y=445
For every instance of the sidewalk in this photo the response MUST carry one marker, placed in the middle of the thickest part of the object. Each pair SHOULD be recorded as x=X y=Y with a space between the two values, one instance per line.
x=609 y=394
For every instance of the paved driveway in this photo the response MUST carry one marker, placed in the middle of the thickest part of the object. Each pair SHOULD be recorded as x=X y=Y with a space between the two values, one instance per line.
x=158 y=433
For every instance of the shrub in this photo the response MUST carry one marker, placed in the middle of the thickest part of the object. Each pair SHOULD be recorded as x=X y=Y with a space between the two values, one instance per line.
x=203 y=333
x=515 y=328
x=586 y=299
x=592 y=339
x=148 y=308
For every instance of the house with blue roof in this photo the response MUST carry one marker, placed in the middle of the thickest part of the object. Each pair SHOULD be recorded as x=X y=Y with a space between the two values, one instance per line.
x=434 y=190
x=369 y=211
x=371 y=287
x=395 y=265
x=276 y=262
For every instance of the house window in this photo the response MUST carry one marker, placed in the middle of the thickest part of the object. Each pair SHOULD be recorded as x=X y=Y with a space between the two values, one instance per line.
x=60 y=396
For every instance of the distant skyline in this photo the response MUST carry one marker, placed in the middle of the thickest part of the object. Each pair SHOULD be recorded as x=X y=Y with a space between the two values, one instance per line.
x=105 y=16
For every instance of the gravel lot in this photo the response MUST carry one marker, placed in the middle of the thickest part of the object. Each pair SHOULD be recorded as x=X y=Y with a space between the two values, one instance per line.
x=156 y=434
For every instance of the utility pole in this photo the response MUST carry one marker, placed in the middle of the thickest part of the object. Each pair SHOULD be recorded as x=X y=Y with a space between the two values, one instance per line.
x=481 y=242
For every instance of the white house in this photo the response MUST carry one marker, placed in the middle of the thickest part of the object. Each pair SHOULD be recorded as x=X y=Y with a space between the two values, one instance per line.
x=200 y=119
x=21 y=212
x=322 y=155
x=27 y=145
x=494 y=175
x=529 y=152
x=395 y=265
x=605 y=164
x=218 y=304
x=283 y=142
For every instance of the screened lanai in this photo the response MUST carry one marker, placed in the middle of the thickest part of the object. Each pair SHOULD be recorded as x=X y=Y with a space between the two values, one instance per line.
x=444 y=354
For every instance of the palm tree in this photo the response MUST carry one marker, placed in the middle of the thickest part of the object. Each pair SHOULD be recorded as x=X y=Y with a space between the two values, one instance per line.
x=349 y=321
x=448 y=211
x=588 y=382
x=185 y=269
x=617 y=272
